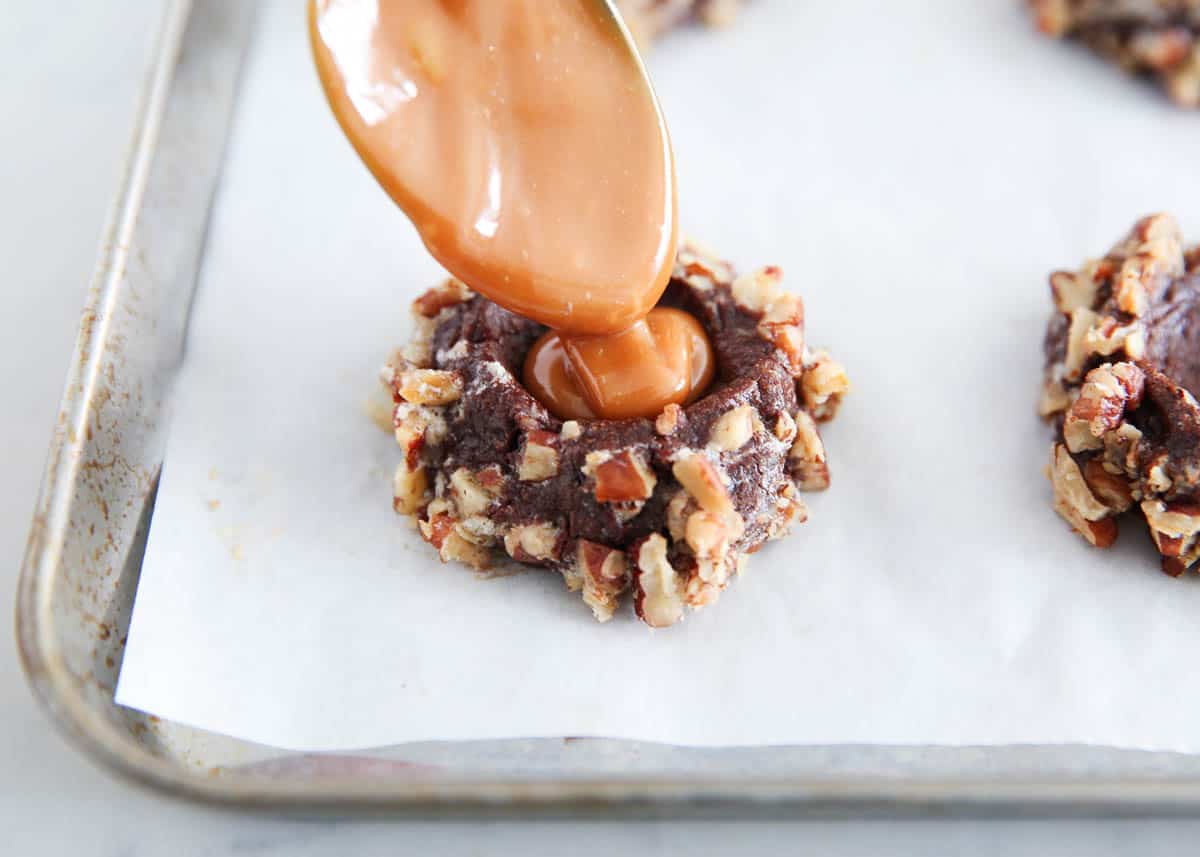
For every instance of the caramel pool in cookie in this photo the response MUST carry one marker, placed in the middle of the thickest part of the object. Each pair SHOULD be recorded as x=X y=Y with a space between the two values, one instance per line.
x=664 y=359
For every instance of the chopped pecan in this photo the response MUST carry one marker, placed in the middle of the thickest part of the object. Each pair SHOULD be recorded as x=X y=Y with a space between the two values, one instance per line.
x=658 y=589
x=603 y=575
x=440 y=530
x=429 y=386
x=697 y=592
x=702 y=480
x=789 y=511
x=781 y=313
x=669 y=420
x=539 y=457
x=449 y=293
x=807 y=456
x=1110 y=489
x=1108 y=336
x=1101 y=534
x=1074 y=500
x=1054 y=399
x=785 y=428
x=415 y=428
x=700 y=267
x=620 y=477
x=1122 y=449
x=789 y=339
x=541 y=542
x=823 y=386
x=458 y=549
x=1157 y=479
x=1073 y=290
x=1091 y=333
x=410 y=486
x=710 y=536
x=1135 y=273
x=758 y=291
x=1053 y=16
x=1082 y=320
x=733 y=429
x=458 y=351
x=1107 y=391
x=419 y=350
x=1153 y=251
x=571 y=430
x=436 y=527
x=679 y=507
x=474 y=492
x=1175 y=528
x=478 y=530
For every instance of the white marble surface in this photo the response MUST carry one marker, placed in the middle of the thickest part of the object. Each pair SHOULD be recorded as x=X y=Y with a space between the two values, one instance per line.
x=68 y=82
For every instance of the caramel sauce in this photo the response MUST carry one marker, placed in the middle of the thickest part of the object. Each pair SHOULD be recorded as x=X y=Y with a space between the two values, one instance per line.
x=549 y=378
x=660 y=360
x=523 y=140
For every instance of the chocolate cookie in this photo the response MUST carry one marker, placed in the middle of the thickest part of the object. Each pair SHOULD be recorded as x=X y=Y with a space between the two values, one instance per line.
x=668 y=507
x=1122 y=357
x=648 y=19
x=1158 y=38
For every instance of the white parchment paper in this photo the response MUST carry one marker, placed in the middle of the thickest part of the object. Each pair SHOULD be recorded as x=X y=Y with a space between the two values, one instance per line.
x=917 y=168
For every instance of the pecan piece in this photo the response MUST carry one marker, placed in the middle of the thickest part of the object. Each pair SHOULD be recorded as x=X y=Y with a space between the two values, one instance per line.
x=781 y=313
x=620 y=477
x=1106 y=393
x=1110 y=489
x=1073 y=290
x=658 y=589
x=429 y=386
x=710 y=536
x=541 y=542
x=669 y=420
x=474 y=492
x=410 y=487
x=571 y=430
x=1074 y=500
x=807 y=456
x=702 y=480
x=679 y=508
x=1175 y=528
x=823 y=386
x=416 y=427
x=603 y=574
x=449 y=293
x=733 y=429
x=1054 y=399
x=789 y=511
x=441 y=531
x=539 y=458
x=758 y=291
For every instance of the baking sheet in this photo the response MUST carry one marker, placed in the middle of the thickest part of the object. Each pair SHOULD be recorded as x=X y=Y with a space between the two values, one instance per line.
x=916 y=170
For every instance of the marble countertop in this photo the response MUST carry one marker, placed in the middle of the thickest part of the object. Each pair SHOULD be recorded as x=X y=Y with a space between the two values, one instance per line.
x=69 y=82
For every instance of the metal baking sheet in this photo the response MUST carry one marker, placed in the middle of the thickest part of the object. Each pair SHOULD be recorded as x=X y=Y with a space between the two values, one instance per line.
x=97 y=499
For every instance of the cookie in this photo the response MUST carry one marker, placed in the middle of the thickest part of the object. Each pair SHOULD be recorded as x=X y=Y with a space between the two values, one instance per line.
x=1122 y=359
x=1156 y=38
x=667 y=509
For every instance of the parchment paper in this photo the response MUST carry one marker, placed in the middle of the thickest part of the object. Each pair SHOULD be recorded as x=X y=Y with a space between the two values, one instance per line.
x=917 y=168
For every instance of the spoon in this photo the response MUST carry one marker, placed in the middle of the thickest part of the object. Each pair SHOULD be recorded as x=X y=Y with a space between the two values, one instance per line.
x=521 y=137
